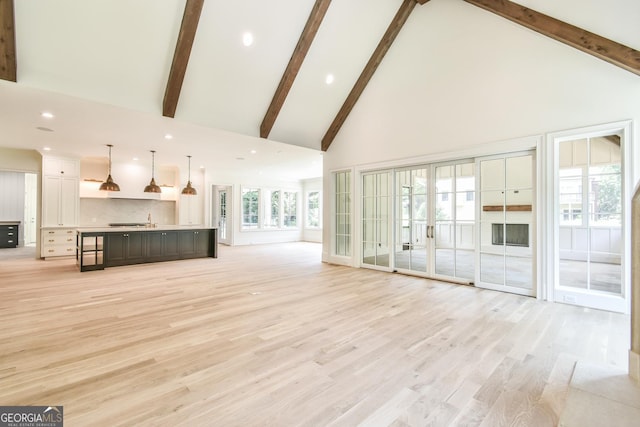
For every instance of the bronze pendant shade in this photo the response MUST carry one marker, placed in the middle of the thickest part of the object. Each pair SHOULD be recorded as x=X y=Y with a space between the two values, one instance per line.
x=152 y=187
x=109 y=184
x=189 y=190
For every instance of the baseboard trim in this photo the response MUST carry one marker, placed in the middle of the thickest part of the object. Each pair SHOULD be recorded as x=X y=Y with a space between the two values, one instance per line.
x=634 y=366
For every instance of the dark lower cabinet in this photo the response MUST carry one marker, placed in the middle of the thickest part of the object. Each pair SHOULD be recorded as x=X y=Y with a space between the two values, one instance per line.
x=137 y=247
x=125 y=248
x=8 y=236
x=195 y=244
x=162 y=245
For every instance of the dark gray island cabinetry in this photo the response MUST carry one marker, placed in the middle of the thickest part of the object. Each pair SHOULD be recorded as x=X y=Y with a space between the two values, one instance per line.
x=137 y=245
x=163 y=245
x=124 y=248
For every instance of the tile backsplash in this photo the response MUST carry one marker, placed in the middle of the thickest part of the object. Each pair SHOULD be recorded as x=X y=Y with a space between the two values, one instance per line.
x=97 y=212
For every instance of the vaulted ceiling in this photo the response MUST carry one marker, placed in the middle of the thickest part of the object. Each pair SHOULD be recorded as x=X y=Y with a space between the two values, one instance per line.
x=174 y=65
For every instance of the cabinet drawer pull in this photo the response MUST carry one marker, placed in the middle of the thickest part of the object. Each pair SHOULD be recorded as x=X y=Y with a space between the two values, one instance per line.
x=51 y=240
x=69 y=240
x=9 y=234
x=51 y=250
x=52 y=232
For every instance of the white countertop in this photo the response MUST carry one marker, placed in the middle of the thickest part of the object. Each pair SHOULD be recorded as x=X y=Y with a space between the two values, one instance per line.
x=106 y=228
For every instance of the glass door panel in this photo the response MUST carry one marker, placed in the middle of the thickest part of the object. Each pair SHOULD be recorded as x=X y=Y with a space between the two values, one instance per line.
x=589 y=202
x=506 y=224
x=222 y=215
x=376 y=212
x=492 y=231
x=455 y=221
x=412 y=245
x=445 y=235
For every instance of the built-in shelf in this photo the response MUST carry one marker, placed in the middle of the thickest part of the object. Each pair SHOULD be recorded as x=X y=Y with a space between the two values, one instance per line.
x=510 y=208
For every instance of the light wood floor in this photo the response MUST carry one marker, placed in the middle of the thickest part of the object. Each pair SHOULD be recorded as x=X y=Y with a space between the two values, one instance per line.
x=270 y=336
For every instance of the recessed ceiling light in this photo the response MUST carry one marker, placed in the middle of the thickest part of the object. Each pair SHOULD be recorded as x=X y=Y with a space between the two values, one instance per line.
x=46 y=148
x=329 y=79
x=201 y=166
x=47 y=115
x=247 y=39
x=168 y=136
x=135 y=159
x=253 y=151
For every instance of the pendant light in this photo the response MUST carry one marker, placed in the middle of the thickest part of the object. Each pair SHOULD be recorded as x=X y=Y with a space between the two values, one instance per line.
x=189 y=190
x=109 y=185
x=152 y=187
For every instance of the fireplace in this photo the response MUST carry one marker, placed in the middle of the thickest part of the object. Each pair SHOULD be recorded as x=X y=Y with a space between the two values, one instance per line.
x=517 y=234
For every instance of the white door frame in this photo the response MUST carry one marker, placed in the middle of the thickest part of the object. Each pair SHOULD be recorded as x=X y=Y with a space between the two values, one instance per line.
x=216 y=189
x=586 y=299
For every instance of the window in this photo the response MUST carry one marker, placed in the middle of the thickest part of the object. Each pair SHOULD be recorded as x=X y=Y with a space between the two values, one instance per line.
x=290 y=208
x=250 y=207
x=313 y=209
x=269 y=209
x=272 y=208
x=343 y=213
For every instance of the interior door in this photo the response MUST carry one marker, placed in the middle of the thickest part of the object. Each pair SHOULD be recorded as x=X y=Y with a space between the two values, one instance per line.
x=30 y=208
x=376 y=219
x=589 y=230
x=222 y=214
x=506 y=242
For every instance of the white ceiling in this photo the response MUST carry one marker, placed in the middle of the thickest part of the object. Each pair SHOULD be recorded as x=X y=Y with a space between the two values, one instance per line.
x=101 y=68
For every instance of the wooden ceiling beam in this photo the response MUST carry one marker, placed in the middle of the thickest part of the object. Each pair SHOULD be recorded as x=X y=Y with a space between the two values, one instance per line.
x=295 y=62
x=598 y=46
x=8 y=67
x=192 y=10
x=376 y=58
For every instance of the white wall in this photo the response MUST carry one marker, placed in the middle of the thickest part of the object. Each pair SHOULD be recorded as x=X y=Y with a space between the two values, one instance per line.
x=12 y=159
x=311 y=234
x=472 y=78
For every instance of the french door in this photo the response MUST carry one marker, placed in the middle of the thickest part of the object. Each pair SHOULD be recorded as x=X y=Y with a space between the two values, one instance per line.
x=454 y=216
x=222 y=213
x=376 y=219
x=421 y=220
x=507 y=227
x=412 y=241
x=589 y=221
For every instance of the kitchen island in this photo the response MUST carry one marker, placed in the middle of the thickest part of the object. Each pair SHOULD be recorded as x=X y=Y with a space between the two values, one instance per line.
x=100 y=247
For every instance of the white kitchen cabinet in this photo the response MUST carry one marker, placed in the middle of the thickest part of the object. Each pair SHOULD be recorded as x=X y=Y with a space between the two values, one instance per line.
x=60 y=206
x=57 y=242
x=190 y=210
x=59 y=201
x=59 y=166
